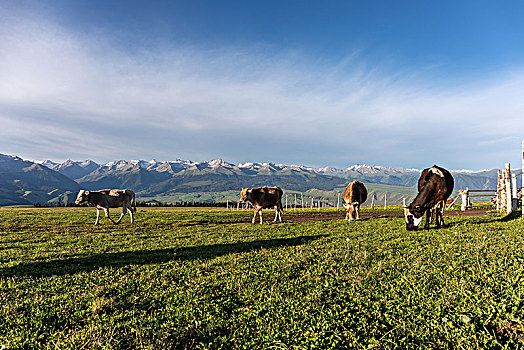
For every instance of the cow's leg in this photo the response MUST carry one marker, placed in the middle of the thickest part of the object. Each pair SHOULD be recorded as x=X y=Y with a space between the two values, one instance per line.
x=438 y=219
x=130 y=210
x=124 y=209
x=106 y=211
x=260 y=213
x=428 y=219
x=436 y=211
x=351 y=213
x=357 y=209
x=443 y=225
x=440 y=215
x=97 y=216
x=278 y=213
x=255 y=215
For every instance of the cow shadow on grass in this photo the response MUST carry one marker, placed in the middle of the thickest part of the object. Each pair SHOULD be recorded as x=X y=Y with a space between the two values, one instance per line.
x=146 y=257
x=486 y=219
x=511 y=216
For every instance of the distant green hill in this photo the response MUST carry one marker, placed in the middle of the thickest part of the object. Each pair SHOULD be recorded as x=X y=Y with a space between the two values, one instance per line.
x=25 y=182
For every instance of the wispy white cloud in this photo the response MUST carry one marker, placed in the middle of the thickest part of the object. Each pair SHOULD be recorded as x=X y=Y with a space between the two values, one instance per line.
x=63 y=95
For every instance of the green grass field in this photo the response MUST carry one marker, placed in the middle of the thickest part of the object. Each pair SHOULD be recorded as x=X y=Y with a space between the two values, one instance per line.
x=193 y=278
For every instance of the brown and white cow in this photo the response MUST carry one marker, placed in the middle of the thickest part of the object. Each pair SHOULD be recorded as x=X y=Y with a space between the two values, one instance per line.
x=354 y=195
x=263 y=198
x=105 y=199
x=434 y=187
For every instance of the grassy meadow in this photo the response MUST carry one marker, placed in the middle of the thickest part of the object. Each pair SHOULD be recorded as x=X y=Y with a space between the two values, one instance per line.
x=208 y=279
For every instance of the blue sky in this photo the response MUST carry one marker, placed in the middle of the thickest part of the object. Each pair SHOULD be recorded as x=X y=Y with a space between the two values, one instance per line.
x=398 y=83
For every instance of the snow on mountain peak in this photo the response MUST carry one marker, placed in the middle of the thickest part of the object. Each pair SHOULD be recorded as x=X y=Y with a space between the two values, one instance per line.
x=216 y=162
x=7 y=157
x=47 y=163
x=86 y=163
x=246 y=165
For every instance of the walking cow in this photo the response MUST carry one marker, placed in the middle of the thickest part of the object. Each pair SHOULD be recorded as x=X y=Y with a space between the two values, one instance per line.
x=434 y=187
x=262 y=198
x=354 y=195
x=105 y=199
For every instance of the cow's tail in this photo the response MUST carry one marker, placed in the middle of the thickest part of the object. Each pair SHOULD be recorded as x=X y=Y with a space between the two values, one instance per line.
x=134 y=203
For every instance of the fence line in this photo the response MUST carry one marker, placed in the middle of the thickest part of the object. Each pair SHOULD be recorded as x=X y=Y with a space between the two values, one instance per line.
x=505 y=197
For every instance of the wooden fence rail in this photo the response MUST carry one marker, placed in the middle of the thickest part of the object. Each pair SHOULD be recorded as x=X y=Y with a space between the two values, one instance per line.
x=505 y=197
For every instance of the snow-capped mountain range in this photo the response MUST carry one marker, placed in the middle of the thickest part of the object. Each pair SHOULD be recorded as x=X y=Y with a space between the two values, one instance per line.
x=178 y=164
x=83 y=168
x=170 y=179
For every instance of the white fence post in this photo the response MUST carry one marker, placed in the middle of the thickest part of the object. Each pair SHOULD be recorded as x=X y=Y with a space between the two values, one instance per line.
x=464 y=197
x=499 y=191
x=507 y=184
x=385 y=201
x=514 y=190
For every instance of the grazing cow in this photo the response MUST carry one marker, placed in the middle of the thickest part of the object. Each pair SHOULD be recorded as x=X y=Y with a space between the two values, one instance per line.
x=354 y=195
x=105 y=199
x=434 y=187
x=263 y=198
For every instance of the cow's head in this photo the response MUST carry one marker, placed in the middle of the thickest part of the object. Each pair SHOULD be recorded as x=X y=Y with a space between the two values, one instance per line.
x=244 y=194
x=413 y=215
x=350 y=208
x=82 y=197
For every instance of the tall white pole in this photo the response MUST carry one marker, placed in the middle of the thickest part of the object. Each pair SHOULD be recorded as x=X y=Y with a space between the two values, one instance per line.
x=507 y=183
x=385 y=201
x=464 y=198
x=514 y=190
x=499 y=190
